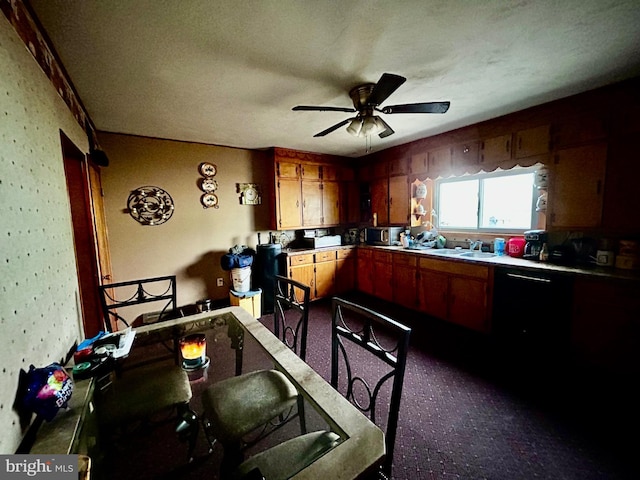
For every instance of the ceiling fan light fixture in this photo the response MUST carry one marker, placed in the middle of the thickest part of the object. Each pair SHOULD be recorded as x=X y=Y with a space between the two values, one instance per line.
x=355 y=127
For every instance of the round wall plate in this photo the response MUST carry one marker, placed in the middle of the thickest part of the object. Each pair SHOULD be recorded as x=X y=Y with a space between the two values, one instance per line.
x=209 y=200
x=207 y=169
x=150 y=205
x=208 y=185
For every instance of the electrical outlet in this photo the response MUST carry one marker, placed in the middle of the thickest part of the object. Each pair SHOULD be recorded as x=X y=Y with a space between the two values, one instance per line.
x=220 y=282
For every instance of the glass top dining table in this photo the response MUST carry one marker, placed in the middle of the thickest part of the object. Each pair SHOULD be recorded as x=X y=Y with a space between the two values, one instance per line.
x=239 y=343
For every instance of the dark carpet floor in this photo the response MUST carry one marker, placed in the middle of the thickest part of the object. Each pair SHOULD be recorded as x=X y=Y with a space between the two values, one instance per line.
x=470 y=410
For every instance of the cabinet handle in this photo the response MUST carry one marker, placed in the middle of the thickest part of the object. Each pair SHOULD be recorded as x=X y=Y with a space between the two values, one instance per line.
x=508 y=146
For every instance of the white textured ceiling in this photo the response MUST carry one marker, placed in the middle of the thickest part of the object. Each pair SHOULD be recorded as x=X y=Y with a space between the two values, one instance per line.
x=228 y=72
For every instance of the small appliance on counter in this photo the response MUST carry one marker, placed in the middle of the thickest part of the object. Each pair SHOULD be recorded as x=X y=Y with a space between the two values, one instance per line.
x=515 y=246
x=383 y=235
x=535 y=239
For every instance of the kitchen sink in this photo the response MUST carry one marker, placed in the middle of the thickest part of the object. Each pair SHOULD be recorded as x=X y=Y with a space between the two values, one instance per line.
x=478 y=254
x=446 y=251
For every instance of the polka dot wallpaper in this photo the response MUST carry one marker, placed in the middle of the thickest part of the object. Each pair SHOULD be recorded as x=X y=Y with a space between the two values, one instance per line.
x=39 y=304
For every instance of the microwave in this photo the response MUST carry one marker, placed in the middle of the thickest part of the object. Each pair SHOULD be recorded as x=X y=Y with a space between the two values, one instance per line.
x=383 y=235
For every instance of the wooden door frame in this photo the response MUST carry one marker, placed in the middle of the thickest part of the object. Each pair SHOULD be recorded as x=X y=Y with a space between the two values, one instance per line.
x=76 y=168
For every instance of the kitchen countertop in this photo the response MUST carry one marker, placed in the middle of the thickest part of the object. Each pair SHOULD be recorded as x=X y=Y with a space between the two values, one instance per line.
x=497 y=261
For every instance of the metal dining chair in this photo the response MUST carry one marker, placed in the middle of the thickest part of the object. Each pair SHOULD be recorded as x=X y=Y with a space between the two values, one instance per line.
x=137 y=391
x=366 y=346
x=242 y=410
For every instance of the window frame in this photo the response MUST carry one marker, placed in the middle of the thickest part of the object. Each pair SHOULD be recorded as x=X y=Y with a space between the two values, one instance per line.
x=480 y=177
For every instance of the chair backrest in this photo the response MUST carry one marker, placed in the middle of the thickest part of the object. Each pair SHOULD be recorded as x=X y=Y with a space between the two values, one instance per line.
x=373 y=348
x=291 y=313
x=159 y=292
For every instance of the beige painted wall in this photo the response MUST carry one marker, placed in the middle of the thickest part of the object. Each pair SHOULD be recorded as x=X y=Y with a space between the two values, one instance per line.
x=39 y=303
x=191 y=243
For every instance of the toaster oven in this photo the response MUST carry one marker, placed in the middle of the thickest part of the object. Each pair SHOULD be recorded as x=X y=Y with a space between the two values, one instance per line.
x=383 y=235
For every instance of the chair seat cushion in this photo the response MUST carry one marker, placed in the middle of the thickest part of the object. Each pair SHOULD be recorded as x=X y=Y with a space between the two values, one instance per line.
x=288 y=458
x=143 y=391
x=236 y=406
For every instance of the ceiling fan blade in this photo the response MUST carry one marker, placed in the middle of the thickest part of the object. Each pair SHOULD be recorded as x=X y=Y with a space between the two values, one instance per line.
x=335 y=127
x=429 y=107
x=387 y=129
x=387 y=84
x=322 y=109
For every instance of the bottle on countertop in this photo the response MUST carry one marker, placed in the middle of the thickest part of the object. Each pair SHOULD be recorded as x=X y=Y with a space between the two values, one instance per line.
x=544 y=253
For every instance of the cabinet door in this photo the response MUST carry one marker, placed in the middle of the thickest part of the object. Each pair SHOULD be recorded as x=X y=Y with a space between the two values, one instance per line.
x=382 y=281
x=495 y=150
x=464 y=155
x=310 y=171
x=350 y=202
x=288 y=204
x=418 y=163
x=532 y=141
x=399 y=201
x=325 y=278
x=311 y=204
x=405 y=274
x=440 y=160
x=288 y=170
x=345 y=275
x=379 y=200
x=330 y=203
x=433 y=290
x=305 y=275
x=468 y=302
x=364 y=277
x=576 y=182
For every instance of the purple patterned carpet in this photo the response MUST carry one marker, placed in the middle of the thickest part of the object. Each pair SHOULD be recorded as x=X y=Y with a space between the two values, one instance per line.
x=469 y=411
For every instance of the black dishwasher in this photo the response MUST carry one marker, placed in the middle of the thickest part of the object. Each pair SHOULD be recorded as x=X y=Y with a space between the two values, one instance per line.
x=532 y=315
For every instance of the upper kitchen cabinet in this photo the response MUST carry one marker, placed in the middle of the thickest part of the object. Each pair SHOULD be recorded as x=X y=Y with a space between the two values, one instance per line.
x=439 y=161
x=576 y=186
x=464 y=155
x=577 y=130
x=307 y=190
x=399 y=166
x=399 y=200
x=379 y=189
x=495 y=150
x=418 y=165
x=532 y=141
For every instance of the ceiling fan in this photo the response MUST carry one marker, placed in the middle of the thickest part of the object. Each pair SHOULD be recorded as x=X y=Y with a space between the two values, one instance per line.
x=366 y=100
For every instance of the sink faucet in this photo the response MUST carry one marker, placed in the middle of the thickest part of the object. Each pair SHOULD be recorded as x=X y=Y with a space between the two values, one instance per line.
x=473 y=245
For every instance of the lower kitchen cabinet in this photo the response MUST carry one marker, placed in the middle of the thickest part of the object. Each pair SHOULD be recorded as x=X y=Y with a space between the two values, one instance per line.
x=455 y=291
x=605 y=329
x=383 y=275
x=405 y=272
x=325 y=273
x=364 y=279
x=302 y=269
x=346 y=260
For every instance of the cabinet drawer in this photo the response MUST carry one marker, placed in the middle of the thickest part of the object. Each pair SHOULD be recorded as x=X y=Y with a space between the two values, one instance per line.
x=301 y=259
x=458 y=268
x=405 y=260
x=325 y=256
x=346 y=253
x=382 y=257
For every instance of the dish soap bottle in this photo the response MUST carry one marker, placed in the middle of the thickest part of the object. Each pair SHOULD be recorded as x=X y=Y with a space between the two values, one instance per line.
x=544 y=253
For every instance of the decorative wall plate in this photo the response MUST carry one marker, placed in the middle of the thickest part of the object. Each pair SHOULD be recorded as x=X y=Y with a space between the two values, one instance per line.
x=150 y=205
x=209 y=200
x=208 y=185
x=207 y=169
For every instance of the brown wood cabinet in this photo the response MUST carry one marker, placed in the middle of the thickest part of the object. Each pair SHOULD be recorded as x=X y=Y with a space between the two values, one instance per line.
x=532 y=141
x=464 y=155
x=419 y=164
x=325 y=273
x=455 y=291
x=383 y=275
x=439 y=161
x=576 y=186
x=495 y=150
x=288 y=203
x=379 y=189
x=364 y=277
x=405 y=273
x=399 y=200
x=346 y=262
x=605 y=331
x=302 y=269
